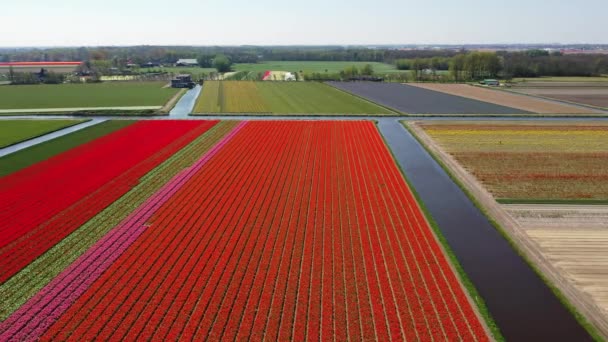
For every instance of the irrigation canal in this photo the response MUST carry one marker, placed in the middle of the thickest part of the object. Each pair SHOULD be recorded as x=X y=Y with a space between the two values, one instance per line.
x=522 y=305
x=185 y=105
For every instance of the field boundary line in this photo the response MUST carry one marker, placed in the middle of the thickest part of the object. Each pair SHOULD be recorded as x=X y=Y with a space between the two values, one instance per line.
x=394 y=112
x=575 y=104
x=74 y=123
x=74 y=109
x=48 y=136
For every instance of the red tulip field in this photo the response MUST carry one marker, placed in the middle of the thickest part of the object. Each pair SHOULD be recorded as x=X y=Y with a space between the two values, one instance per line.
x=225 y=230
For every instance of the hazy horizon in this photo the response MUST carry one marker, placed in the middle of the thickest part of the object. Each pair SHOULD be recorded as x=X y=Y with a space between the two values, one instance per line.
x=69 y=23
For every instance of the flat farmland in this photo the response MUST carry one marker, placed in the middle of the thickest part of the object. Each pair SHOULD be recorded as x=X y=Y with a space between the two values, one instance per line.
x=312 y=66
x=37 y=153
x=553 y=170
x=307 y=233
x=238 y=97
x=503 y=98
x=575 y=241
x=16 y=131
x=587 y=94
x=117 y=94
x=416 y=100
x=531 y=162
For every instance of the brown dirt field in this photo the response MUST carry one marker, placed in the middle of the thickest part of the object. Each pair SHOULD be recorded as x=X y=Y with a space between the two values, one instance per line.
x=590 y=100
x=575 y=240
x=564 y=91
x=505 y=99
x=577 y=295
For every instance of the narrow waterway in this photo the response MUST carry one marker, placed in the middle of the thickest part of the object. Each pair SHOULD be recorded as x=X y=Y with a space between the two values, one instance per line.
x=186 y=103
x=523 y=307
x=35 y=141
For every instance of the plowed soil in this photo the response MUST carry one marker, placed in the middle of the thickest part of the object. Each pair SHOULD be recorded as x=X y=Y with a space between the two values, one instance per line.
x=502 y=98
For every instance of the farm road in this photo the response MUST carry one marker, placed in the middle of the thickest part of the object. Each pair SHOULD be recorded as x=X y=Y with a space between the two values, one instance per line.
x=522 y=305
x=415 y=100
x=29 y=143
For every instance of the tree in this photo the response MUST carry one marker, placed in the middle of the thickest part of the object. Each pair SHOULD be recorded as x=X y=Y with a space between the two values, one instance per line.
x=349 y=72
x=11 y=74
x=222 y=63
x=457 y=67
x=205 y=61
x=417 y=68
x=367 y=70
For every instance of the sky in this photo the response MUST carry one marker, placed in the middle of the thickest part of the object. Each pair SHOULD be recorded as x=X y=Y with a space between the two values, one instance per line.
x=300 y=22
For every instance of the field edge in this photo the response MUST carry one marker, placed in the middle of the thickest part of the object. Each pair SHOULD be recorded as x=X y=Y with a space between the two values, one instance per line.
x=72 y=124
x=393 y=111
x=580 y=318
x=470 y=289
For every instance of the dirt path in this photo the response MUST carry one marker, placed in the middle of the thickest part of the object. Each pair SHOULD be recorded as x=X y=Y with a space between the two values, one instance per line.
x=502 y=98
x=540 y=255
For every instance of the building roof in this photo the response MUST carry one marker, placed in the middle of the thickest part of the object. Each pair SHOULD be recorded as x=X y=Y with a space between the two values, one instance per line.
x=187 y=61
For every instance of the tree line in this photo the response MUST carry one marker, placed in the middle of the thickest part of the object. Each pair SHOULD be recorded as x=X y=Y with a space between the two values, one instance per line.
x=506 y=65
x=428 y=64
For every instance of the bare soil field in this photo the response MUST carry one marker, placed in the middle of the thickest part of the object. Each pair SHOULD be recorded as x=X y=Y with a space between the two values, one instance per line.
x=415 y=100
x=590 y=100
x=502 y=98
x=560 y=216
x=574 y=239
x=585 y=93
x=568 y=244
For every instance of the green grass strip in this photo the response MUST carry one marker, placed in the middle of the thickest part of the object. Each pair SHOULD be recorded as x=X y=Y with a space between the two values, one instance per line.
x=580 y=318
x=552 y=201
x=15 y=131
x=32 y=155
x=25 y=284
x=462 y=275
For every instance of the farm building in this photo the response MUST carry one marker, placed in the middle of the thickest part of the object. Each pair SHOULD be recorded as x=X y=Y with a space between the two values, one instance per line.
x=186 y=62
x=182 y=81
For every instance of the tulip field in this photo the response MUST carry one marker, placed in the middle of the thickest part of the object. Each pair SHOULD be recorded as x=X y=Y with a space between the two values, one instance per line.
x=225 y=230
x=531 y=162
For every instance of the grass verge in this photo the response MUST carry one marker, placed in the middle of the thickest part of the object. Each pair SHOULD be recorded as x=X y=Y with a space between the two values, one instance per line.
x=462 y=275
x=580 y=318
x=13 y=132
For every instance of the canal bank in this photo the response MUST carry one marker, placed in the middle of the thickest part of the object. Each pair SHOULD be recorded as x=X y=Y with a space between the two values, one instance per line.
x=521 y=304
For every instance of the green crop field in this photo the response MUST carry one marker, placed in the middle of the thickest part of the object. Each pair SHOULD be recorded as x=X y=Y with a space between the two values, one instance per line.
x=236 y=97
x=16 y=131
x=37 y=153
x=308 y=67
x=110 y=94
